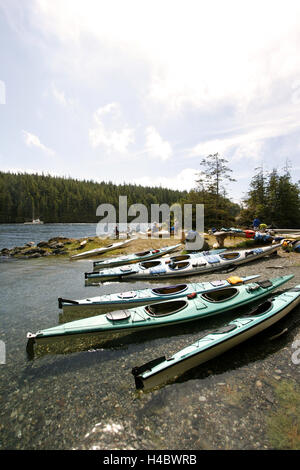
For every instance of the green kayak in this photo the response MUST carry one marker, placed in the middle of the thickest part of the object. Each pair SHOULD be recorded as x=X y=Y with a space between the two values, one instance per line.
x=136 y=298
x=192 y=307
x=214 y=343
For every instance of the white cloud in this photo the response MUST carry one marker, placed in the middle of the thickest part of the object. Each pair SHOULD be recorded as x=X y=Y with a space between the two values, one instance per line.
x=61 y=97
x=110 y=131
x=32 y=140
x=210 y=52
x=185 y=180
x=155 y=146
x=247 y=142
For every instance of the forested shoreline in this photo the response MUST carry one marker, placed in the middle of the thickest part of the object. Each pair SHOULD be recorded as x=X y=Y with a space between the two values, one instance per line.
x=64 y=200
x=272 y=196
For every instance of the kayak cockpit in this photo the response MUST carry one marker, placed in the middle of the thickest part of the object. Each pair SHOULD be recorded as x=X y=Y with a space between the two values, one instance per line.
x=168 y=290
x=221 y=295
x=143 y=253
x=165 y=308
x=177 y=258
x=150 y=264
x=178 y=266
x=261 y=309
x=230 y=256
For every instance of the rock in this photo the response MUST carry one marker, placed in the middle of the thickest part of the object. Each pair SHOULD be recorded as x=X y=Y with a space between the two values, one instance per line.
x=59 y=251
x=35 y=255
x=258 y=384
x=43 y=244
x=33 y=251
x=56 y=246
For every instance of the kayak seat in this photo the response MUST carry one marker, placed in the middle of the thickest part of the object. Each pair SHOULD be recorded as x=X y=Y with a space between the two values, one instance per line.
x=170 y=289
x=143 y=253
x=221 y=295
x=166 y=308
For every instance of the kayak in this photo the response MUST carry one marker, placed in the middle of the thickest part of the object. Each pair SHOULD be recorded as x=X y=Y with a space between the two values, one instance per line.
x=134 y=257
x=103 y=249
x=146 y=296
x=216 y=342
x=160 y=314
x=124 y=271
x=183 y=265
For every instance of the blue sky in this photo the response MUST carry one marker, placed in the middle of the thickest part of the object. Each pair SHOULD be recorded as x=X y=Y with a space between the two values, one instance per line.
x=141 y=91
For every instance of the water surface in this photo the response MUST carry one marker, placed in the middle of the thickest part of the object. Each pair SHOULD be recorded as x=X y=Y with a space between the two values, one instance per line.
x=86 y=398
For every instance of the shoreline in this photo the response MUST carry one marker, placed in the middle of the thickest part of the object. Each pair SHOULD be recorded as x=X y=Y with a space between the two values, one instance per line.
x=64 y=247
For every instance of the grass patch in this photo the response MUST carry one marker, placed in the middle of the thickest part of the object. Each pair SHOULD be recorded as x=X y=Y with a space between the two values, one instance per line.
x=284 y=424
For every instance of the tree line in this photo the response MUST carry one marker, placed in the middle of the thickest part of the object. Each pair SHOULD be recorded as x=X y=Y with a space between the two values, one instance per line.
x=274 y=198
x=58 y=199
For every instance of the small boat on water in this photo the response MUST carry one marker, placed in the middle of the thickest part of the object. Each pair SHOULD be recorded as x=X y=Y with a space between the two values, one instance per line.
x=34 y=222
x=134 y=257
x=119 y=273
x=146 y=296
x=216 y=342
x=102 y=250
x=183 y=265
x=160 y=314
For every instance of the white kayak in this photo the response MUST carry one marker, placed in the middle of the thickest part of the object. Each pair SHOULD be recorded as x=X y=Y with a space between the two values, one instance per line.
x=134 y=258
x=184 y=266
x=103 y=249
x=216 y=342
x=120 y=272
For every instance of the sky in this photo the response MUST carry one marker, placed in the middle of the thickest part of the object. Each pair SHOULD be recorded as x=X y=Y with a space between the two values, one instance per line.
x=141 y=91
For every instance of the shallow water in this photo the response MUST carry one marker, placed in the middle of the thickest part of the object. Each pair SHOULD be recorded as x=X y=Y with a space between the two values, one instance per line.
x=12 y=235
x=85 y=398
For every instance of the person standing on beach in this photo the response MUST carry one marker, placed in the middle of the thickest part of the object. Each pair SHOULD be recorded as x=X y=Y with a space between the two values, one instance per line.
x=256 y=223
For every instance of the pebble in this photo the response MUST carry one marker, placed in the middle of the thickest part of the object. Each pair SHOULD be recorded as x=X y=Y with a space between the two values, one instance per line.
x=258 y=384
x=202 y=399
